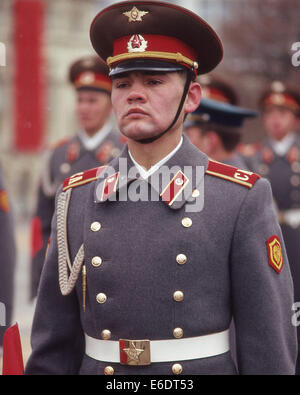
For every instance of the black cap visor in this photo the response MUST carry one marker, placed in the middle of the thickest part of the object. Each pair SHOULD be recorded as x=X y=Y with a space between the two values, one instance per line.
x=145 y=65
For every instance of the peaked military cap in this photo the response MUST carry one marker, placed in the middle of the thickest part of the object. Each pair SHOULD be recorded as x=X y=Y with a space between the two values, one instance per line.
x=90 y=72
x=212 y=111
x=279 y=95
x=141 y=35
x=215 y=88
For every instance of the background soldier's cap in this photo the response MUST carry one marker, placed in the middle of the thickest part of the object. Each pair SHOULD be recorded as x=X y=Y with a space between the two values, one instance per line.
x=212 y=111
x=217 y=89
x=279 y=95
x=90 y=73
x=154 y=35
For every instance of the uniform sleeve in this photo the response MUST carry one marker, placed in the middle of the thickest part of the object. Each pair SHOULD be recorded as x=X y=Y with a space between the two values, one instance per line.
x=262 y=296
x=40 y=234
x=7 y=260
x=57 y=339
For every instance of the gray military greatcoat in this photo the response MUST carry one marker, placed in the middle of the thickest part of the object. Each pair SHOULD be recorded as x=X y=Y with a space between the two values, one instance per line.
x=129 y=291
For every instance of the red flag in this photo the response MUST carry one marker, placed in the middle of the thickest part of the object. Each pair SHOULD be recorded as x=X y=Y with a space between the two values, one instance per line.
x=12 y=352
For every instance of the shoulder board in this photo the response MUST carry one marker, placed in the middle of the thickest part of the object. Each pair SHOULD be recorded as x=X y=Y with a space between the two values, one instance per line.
x=82 y=178
x=249 y=150
x=230 y=173
x=60 y=143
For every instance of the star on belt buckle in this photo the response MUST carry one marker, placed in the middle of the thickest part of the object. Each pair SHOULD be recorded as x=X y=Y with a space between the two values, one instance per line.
x=134 y=352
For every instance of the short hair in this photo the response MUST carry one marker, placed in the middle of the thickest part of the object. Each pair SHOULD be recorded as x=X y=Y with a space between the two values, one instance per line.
x=229 y=138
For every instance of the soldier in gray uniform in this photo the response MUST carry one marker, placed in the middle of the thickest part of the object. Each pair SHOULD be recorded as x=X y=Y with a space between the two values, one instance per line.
x=95 y=144
x=7 y=260
x=278 y=159
x=159 y=250
x=219 y=130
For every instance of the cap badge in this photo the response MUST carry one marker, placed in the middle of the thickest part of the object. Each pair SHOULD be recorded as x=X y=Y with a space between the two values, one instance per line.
x=277 y=98
x=135 y=15
x=275 y=253
x=137 y=43
x=87 y=78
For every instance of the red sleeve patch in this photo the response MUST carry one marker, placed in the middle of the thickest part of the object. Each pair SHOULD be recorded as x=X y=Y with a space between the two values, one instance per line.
x=275 y=253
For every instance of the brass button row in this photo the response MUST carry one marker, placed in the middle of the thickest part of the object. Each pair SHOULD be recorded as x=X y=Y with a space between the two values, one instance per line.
x=176 y=369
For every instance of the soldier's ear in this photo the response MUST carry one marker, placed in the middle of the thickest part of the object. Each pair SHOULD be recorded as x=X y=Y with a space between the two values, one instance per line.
x=193 y=98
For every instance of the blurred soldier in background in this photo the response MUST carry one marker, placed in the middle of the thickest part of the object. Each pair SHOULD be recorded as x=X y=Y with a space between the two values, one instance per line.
x=95 y=144
x=214 y=89
x=218 y=127
x=278 y=159
x=7 y=260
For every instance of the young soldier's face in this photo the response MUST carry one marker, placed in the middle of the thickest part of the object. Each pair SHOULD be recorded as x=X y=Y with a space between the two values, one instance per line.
x=92 y=109
x=145 y=104
x=278 y=122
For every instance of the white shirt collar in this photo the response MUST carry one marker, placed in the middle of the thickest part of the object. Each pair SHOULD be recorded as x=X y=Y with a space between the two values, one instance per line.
x=93 y=142
x=147 y=173
x=282 y=147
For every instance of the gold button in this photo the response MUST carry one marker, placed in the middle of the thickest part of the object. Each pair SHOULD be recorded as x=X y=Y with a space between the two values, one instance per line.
x=65 y=168
x=195 y=193
x=96 y=261
x=186 y=222
x=178 y=333
x=101 y=298
x=109 y=370
x=178 y=296
x=106 y=334
x=295 y=180
x=95 y=226
x=296 y=167
x=181 y=259
x=177 y=368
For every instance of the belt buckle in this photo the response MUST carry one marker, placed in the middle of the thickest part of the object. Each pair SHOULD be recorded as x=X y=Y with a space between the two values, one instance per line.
x=135 y=352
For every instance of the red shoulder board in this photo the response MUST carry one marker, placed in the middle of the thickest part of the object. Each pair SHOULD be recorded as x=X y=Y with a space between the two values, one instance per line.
x=82 y=178
x=230 y=173
x=248 y=149
x=60 y=142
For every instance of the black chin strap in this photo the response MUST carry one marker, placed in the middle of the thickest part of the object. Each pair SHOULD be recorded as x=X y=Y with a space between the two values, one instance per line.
x=185 y=91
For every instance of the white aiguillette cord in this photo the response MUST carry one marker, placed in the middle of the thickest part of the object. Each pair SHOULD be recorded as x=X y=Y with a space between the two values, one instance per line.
x=66 y=281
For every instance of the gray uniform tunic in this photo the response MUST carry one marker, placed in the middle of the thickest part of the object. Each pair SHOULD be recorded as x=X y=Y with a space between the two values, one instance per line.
x=226 y=275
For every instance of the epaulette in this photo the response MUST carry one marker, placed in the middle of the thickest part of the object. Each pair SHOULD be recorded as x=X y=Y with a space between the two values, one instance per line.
x=82 y=178
x=249 y=150
x=230 y=173
x=59 y=143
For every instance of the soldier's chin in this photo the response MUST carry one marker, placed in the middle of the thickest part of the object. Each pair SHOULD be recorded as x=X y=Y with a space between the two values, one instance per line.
x=141 y=136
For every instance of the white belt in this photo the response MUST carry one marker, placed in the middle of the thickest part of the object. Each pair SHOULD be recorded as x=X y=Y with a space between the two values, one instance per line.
x=160 y=350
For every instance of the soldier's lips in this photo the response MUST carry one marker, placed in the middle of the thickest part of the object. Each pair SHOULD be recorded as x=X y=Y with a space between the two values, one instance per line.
x=135 y=113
